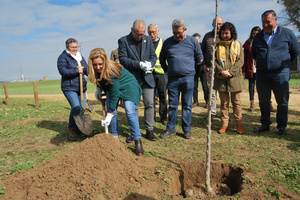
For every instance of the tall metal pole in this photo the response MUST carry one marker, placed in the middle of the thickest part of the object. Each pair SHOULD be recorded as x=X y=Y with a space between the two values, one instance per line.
x=208 y=149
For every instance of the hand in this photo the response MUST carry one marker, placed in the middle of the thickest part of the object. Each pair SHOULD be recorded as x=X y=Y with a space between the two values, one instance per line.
x=225 y=74
x=205 y=68
x=98 y=94
x=107 y=120
x=149 y=67
x=80 y=69
x=143 y=66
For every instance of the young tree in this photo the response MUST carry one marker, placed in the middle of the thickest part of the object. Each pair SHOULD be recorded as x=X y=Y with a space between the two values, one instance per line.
x=292 y=9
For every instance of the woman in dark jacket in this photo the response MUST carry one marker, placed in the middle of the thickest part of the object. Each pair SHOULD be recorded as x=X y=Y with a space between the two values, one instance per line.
x=70 y=64
x=249 y=69
x=118 y=83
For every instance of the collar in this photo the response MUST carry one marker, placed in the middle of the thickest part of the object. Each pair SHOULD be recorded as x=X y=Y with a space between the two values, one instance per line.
x=273 y=32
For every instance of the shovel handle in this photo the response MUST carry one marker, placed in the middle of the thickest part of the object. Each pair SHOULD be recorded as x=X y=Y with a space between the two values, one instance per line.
x=81 y=87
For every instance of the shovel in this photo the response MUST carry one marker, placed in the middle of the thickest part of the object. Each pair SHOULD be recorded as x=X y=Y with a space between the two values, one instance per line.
x=83 y=122
x=91 y=107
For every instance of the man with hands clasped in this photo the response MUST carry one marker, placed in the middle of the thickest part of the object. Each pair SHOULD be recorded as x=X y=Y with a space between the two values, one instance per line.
x=137 y=55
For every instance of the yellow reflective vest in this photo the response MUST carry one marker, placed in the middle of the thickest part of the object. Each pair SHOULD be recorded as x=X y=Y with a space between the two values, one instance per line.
x=157 y=68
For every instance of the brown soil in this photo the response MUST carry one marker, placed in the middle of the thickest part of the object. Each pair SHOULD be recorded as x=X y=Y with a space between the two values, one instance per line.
x=102 y=167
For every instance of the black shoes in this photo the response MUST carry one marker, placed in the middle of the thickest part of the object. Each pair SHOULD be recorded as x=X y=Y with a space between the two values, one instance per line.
x=167 y=134
x=282 y=132
x=129 y=139
x=187 y=135
x=261 y=129
x=164 y=122
x=150 y=136
x=138 y=147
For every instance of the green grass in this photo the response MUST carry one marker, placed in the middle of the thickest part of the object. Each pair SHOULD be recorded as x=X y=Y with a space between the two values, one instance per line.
x=43 y=87
x=53 y=86
x=31 y=135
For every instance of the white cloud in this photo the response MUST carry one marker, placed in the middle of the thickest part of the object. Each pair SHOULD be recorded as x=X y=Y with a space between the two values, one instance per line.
x=33 y=33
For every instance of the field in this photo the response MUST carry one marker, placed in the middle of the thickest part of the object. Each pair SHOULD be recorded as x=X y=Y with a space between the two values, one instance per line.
x=38 y=161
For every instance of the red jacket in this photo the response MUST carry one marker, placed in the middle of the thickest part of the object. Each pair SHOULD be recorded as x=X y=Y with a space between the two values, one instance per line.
x=248 y=61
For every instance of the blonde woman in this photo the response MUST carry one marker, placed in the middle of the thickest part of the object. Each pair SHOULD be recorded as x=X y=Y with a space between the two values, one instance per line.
x=118 y=83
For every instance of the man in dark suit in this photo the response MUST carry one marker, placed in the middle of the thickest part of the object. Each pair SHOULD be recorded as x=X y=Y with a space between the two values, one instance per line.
x=137 y=55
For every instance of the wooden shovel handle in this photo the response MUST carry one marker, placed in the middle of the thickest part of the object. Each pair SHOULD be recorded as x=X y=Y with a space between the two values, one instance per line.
x=81 y=87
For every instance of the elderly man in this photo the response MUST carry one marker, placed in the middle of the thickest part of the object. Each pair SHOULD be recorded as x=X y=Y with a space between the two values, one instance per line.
x=207 y=49
x=274 y=49
x=159 y=75
x=178 y=56
x=137 y=55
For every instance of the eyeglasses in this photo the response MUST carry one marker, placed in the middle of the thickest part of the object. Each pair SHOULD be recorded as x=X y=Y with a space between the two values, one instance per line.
x=139 y=35
x=73 y=47
x=178 y=32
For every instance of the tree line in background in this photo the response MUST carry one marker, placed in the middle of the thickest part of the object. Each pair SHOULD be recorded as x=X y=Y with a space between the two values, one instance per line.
x=292 y=8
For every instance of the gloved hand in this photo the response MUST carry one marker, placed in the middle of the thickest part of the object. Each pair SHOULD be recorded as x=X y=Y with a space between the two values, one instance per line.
x=149 y=67
x=107 y=120
x=143 y=66
x=98 y=93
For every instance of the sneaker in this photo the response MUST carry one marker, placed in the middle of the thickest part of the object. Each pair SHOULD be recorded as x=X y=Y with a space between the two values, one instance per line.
x=150 y=136
x=167 y=134
x=187 y=135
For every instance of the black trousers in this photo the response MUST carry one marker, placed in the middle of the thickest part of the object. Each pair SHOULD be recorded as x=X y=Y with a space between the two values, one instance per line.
x=161 y=87
x=200 y=74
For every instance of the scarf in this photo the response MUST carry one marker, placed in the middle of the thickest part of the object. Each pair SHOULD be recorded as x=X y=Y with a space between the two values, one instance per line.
x=234 y=52
x=77 y=57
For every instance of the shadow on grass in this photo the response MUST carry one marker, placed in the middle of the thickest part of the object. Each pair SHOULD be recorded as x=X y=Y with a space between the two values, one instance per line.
x=251 y=121
x=62 y=129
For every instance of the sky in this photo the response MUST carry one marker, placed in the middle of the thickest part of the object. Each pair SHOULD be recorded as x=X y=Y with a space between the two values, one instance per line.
x=33 y=33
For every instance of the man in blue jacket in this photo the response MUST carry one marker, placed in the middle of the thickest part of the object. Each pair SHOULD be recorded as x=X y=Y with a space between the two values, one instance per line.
x=177 y=57
x=274 y=49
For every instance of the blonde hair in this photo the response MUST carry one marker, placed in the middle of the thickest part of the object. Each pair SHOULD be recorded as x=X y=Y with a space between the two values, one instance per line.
x=109 y=67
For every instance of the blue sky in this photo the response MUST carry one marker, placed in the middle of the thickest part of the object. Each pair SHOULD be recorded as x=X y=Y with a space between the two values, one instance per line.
x=33 y=33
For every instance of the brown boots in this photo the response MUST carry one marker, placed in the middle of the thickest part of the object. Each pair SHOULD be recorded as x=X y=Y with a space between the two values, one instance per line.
x=223 y=130
x=138 y=147
x=240 y=129
x=74 y=133
x=251 y=105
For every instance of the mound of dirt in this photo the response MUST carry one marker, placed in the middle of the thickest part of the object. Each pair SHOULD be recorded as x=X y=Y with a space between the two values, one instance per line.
x=102 y=167
x=98 y=168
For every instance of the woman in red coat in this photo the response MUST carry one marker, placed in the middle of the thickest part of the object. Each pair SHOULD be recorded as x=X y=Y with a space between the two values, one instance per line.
x=249 y=69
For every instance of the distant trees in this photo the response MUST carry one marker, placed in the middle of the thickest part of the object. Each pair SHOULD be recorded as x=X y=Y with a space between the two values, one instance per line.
x=292 y=9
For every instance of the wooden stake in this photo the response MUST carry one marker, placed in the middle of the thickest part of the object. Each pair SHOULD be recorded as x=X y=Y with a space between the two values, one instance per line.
x=6 y=94
x=35 y=94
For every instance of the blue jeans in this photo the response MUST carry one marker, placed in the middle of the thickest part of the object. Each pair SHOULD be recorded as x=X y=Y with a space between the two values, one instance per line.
x=278 y=81
x=131 y=113
x=185 y=85
x=75 y=103
x=251 y=87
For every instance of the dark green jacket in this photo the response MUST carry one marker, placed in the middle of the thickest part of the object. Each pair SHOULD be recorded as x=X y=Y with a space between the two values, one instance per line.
x=126 y=87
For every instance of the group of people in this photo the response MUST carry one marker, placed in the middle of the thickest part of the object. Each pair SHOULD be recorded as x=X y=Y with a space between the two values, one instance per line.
x=148 y=65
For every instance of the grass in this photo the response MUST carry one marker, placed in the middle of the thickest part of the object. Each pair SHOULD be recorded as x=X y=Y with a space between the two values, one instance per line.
x=31 y=135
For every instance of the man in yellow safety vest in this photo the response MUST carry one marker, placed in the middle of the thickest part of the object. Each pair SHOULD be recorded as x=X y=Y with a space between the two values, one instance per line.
x=159 y=74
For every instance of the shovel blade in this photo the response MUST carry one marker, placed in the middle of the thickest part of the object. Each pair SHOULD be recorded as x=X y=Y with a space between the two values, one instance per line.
x=84 y=123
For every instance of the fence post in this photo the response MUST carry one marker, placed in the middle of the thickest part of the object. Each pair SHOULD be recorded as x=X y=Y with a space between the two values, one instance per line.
x=35 y=94
x=6 y=94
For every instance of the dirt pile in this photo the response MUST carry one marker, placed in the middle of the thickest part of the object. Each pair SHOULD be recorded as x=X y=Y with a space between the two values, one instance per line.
x=98 y=168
